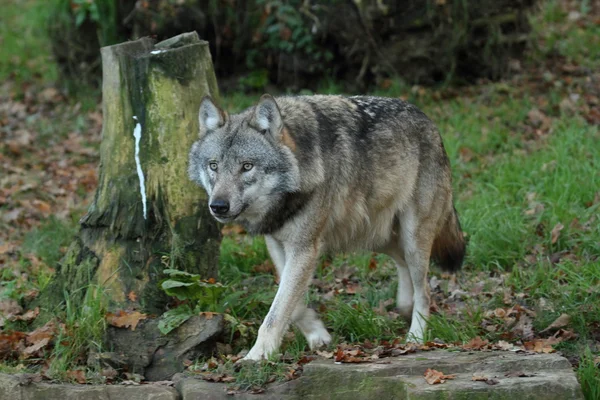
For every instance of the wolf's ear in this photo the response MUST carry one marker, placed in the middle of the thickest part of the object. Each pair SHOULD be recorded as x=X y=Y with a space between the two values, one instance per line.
x=210 y=117
x=267 y=117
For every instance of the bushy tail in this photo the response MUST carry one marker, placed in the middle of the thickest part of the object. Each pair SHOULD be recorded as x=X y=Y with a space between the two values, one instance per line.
x=449 y=246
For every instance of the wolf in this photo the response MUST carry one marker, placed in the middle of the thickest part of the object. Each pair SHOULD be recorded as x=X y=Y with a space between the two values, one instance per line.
x=326 y=174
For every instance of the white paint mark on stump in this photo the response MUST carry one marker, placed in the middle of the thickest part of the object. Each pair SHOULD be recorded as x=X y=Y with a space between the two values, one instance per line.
x=137 y=134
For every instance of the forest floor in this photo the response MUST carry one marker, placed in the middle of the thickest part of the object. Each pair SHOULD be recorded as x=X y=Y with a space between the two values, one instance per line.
x=525 y=154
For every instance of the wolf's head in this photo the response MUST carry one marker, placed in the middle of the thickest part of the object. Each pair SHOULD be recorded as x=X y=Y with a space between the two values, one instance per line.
x=243 y=161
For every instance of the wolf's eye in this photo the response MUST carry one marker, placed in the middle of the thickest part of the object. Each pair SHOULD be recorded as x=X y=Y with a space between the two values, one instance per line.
x=247 y=166
x=213 y=166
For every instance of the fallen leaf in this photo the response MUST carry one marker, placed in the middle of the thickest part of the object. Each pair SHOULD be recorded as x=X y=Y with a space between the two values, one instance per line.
x=125 y=319
x=503 y=345
x=47 y=331
x=77 y=375
x=372 y=263
x=433 y=377
x=132 y=296
x=325 y=354
x=208 y=314
x=10 y=308
x=556 y=232
x=476 y=344
x=488 y=381
x=266 y=267
x=33 y=349
x=559 y=322
x=29 y=315
x=11 y=344
x=542 y=345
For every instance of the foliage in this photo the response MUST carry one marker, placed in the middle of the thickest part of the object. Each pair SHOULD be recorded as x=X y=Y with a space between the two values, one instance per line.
x=200 y=295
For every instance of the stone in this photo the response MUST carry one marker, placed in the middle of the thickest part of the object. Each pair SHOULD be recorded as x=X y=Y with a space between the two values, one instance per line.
x=515 y=377
x=158 y=357
x=12 y=389
x=402 y=378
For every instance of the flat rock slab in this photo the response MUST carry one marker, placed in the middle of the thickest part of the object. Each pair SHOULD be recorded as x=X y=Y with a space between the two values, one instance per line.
x=13 y=387
x=402 y=378
x=518 y=376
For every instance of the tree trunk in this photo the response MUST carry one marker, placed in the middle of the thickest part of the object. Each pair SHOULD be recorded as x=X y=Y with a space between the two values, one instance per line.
x=146 y=215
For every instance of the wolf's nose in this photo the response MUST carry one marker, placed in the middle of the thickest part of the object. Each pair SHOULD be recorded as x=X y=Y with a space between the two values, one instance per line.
x=219 y=206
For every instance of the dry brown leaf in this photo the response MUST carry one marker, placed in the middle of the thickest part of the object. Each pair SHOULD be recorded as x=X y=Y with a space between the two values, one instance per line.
x=542 y=345
x=47 y=331
x=33 y=349
x=503 y=345
x=556 y=232
x=433 y=377
x=10 y=308
x=29 y=315
x=476 y=344
x=325 y=354
x=132 y=296
x=485 y=379
x=266 y=267
x=207 y=314
x=372 y=263
x=559 y=322
x=125 y=319
x=77 y=375
x=11 y=344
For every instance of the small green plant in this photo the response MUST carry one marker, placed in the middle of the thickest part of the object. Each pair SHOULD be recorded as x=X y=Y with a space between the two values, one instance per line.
x=199 y=295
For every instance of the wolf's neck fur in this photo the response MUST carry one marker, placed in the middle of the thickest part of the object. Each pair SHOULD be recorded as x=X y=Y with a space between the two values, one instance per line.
x=284 y=210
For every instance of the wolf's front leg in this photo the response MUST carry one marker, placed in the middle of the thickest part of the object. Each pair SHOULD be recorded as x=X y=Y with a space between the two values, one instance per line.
x=293 y=284
x=303 y=317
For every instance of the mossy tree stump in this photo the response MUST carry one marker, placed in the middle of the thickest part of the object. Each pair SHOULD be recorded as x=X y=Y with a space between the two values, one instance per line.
x=146 y=215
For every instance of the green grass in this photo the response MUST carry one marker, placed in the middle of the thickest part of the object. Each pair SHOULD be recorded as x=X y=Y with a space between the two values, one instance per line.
x=25 y=48
x=83 y=331
x=47 y=241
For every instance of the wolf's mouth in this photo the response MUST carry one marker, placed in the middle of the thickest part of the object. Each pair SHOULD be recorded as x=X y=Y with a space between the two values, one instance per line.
x=225 y=219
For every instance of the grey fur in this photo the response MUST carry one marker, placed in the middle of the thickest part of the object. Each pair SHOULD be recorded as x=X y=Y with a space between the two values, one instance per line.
x=331 y=174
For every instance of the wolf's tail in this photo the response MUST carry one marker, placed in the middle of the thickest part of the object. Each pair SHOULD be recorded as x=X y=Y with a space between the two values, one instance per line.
x=449 y=246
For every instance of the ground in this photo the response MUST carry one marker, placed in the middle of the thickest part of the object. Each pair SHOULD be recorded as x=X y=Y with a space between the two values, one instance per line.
x=525 y=153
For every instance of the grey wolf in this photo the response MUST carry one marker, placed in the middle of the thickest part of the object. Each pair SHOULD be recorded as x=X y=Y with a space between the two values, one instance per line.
x=319 y=174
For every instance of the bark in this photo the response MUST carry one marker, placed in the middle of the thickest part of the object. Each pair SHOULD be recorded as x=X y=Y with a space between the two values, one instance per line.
x=126 y=240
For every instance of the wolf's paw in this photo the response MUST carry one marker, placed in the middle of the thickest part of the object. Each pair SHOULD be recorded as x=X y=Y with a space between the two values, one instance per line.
x=261 y=351
x=415 y=336
x=318 y=338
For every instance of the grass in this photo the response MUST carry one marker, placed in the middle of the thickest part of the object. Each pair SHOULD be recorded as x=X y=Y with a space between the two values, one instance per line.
x=82 y=332
x=512 y=188
x=24 y=46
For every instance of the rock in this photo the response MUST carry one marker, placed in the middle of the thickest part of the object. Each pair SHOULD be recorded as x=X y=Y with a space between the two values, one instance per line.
x=402 y=378
x=514 y=377
x=11 y=389
x=158 y=357
x=106 y=360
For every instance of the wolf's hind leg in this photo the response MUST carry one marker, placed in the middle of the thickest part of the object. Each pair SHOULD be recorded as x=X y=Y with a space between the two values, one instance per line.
x=304 y=318
x=416 y=243
x=405 y=294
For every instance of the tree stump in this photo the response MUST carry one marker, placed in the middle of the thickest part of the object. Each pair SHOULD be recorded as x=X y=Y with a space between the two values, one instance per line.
x=145 y=216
